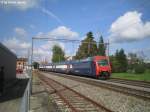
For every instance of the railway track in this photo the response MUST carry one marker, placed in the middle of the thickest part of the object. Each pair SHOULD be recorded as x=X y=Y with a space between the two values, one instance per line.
x=143 y=93
x=75 y=101
x=130 y=82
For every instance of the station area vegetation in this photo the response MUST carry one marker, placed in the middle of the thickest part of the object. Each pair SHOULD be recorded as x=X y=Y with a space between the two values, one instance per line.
x=126 y=66
x=129 y=66
x=132 y=76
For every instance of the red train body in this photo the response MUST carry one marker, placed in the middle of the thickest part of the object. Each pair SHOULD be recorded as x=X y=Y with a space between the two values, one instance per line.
x=103 y=68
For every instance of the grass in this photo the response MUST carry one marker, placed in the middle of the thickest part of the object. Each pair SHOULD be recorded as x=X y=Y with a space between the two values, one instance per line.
x=131 y=76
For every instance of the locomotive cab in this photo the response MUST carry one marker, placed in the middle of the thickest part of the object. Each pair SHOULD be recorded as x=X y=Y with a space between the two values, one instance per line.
x=103 y=69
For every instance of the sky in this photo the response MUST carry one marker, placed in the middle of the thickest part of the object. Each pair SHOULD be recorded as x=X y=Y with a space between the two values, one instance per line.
x=123 y=23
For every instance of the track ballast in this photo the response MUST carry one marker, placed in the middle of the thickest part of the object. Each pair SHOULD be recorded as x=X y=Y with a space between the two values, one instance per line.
x=128 y=89
x=75 y=101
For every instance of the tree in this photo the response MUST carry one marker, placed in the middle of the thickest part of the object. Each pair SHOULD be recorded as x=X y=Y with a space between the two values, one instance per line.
x=119 y=61
x=101 y=47
x=87 y=48
x=35 y=65
x=114 y=63
x=123 y=61
x=58 y=54
x=139 y=68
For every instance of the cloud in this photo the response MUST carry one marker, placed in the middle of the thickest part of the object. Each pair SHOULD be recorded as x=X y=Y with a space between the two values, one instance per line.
x=50 y=44
x=49 y=13
x=129 y=28
x=44 y=51
x=18 y=45
x=60 y=32
x=63 y=31
x=19 y=4
x=20 y=32
x=41 y=51
x=40 y=55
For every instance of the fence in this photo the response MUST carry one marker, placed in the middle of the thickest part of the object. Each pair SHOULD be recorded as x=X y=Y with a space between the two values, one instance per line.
x=25 y=100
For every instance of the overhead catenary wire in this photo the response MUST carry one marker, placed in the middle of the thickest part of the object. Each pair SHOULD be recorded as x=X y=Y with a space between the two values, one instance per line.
x=65 y=40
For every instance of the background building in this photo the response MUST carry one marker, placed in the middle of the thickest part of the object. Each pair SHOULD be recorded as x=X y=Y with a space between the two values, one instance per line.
x=21 y=64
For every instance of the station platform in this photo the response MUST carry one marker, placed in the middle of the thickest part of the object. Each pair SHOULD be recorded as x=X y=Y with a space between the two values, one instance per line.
x=41 y=100
x=15 y=98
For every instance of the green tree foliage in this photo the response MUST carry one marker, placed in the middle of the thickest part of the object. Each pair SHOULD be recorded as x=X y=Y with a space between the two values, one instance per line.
x=147 y=65
x=139 y=68
x=58 y=54
x=101 y=47
x=35 y=65
x=87 y=48
x=112 y=62
x=119 y=61
x=122 y=60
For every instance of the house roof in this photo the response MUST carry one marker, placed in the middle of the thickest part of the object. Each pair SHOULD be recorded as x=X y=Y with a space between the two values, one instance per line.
x=7 y=50
x=22 y=59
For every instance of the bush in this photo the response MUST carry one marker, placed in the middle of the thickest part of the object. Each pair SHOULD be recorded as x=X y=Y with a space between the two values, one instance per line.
x=130 y=71
x=139 y=69
x=147 y=65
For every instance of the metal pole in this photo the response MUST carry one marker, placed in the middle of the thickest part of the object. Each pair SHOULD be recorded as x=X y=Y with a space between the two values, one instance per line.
x=31 y=71
x=108 y=47
x=108 y=52
x=89 y=48
x=31 y=66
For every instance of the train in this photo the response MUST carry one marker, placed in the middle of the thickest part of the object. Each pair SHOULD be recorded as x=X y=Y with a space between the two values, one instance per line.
x=96 y=66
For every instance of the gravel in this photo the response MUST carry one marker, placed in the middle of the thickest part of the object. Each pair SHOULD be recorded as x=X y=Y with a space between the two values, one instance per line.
x=115 y=101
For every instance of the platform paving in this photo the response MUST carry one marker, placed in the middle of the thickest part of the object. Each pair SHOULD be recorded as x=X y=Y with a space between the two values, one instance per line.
x=11 y=98
x=40 y=100
x=10 y=106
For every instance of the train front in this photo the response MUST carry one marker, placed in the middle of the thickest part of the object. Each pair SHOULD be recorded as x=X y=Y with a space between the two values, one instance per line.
x=103 y=68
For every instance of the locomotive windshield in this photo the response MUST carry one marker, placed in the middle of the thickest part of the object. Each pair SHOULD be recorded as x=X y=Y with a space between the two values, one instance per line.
x=103 y=62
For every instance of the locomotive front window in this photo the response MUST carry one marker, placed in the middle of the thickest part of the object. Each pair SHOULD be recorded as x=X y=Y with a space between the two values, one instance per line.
x=103 y=62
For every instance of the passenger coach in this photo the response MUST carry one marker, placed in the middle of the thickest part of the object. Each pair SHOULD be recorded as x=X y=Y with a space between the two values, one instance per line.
x=97 y=66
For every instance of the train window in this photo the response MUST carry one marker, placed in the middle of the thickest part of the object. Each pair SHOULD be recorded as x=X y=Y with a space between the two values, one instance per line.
x=103 y=62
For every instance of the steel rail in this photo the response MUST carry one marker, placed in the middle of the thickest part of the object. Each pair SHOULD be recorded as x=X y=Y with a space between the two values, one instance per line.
x=47 y=80
x=125 y=90
x=130 y=82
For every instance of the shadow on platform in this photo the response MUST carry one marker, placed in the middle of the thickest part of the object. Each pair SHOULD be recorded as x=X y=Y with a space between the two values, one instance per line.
x=15 y=90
